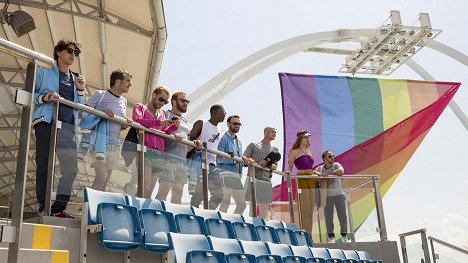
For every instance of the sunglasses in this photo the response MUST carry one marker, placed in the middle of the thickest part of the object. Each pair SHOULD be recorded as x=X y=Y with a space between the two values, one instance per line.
x=183 y=100
x=331 y=156
x=161 y=99
x=236 y=123
x=71 y=51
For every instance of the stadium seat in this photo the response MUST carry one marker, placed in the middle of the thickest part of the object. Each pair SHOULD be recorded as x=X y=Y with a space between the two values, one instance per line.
x=274 y=223
x=205 y=213
x=219 y=228
x=304 y=251
x=352 y=254
x=232 y=249
x=338 y=254
x=285 y=236
x=187 y=248
x=285 y=252
x=260 y=251
x=121 y=228
x=266 y=234
x=256 y=221
x=176 y=209
x=190 y=224
x=231 y=217
x=94 y=197
x=140 y=203
x=291 y=226
x=320 y=252
x=303 y=238
x=245 y=231
x=364 y=255
x=156 y=225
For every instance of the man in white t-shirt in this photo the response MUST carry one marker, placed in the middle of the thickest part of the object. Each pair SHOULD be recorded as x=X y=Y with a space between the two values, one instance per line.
x=335 y=195
x=208 y=131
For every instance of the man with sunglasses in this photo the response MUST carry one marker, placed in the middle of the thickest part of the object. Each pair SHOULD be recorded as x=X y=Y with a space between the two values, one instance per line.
x=335 y=196
x=51 y=84
x=113 y=104
x=229 y=170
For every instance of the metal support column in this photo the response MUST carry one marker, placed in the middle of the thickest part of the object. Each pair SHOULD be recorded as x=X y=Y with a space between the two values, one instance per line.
x=290 y=196
x=51 y=165
x=379 y=209
x=253 y=189
x=205 y=170
x=141 y=164
x=22 y=164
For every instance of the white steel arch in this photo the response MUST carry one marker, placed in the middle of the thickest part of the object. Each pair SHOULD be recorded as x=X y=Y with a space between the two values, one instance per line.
x=231 y=78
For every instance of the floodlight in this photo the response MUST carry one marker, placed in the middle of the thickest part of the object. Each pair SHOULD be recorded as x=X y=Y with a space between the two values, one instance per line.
x=20 y=21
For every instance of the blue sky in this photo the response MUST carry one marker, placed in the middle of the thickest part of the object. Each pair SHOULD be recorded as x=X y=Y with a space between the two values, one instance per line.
x=205 y=37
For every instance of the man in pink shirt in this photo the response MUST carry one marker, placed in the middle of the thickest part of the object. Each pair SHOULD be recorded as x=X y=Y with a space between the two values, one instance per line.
x=152 y=116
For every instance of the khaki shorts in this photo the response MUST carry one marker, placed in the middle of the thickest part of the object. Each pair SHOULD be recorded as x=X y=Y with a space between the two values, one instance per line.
x=155 y=160
x=176 y=171
x=111 y=158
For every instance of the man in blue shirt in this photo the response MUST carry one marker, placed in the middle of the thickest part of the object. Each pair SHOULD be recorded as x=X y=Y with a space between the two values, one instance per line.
x=51 y=84
x=230 y=170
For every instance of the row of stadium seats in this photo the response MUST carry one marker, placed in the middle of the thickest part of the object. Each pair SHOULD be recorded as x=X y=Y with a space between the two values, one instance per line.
x=199 y=248
x=124 y=223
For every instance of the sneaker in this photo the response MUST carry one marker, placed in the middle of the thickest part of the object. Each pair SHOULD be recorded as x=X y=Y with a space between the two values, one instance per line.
x=344 y=239
x=331 y=240
x=63 y=214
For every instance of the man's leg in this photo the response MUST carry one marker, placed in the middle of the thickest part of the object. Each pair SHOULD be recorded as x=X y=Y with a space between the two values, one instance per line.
x=226 y=202
x=177 y=191
x=263 y=210
x=329 y=216
x=239 y=198
x=150 y=182
x=100 y=177
x=163 y=191
x=215 y=185
x=341 y=211
x=197 y=196
x=42 y=132
x=67 y=155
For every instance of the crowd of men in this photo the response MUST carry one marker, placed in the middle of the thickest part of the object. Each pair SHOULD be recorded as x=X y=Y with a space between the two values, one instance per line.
x=165 y=160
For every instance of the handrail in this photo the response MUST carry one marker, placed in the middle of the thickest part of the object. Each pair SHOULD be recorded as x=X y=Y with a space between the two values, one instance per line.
x=24 y=53
x=459 y=249
x=424 y=246
x=422 y=230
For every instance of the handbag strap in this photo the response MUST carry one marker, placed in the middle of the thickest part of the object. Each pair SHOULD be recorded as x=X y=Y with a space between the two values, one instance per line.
x=104 y=94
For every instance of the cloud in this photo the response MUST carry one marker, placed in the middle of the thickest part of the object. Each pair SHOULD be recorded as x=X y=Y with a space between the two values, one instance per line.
x=451 y=228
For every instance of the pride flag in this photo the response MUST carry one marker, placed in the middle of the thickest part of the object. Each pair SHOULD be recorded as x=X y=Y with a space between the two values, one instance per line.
x=372 y=125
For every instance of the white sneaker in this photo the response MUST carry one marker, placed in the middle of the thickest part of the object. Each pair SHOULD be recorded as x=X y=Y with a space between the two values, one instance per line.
x=331 y=240
x=344 y=239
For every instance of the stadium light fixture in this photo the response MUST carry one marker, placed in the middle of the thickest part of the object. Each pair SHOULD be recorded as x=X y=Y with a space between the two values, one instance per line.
x=20 y=21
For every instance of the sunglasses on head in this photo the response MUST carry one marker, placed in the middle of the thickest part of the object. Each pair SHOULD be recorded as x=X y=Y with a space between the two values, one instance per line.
x=236 y=123
x=71 y=50
x=161 y=99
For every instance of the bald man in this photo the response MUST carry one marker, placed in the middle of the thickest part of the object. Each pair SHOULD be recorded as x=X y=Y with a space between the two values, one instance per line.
x=258 y=151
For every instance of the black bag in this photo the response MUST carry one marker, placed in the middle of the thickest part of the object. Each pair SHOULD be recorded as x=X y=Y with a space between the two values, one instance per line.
x=129 y=147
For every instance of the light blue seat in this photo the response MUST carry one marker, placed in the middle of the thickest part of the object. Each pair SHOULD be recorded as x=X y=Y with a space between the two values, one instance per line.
x=192 y=248
x=244 y=231
x=94 y=197
x=156 y=225
x=176 y=209
x=266 y=234
x=219 y=228
x=285 y=252
x=190 y=224
x=352 y=254
x=121 y=228
x=303 y=238
x=205 y=213
x=338 y=254
x=321 y=252
x=140 y=203
x=291 y=226
x=232 y=249
x=256 y=221
x=304 y=251
x=231 y=217
x=274 y=223
x=364 y=255
x=286 y=236
x=260 y=251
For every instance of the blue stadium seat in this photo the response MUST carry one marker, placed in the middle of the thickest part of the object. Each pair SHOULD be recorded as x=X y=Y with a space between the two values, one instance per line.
x=190 y=224
x=304 y=251
x=245 y=231
x=176 y=209
x=232 y=249
x=156 y=225
x=94 y=197
x=291 y=226
x=140 y=203
x=285 y=252
x=219 y=228
x=352 y=254
x=286 y=236
x=303 y=238
x=338 y=254
x=364 y=255
x=205 y=213
x=320 y=252
x=231 y=217
x=258 y=249
x=191 y=248
x=256 y=221
x=121 y=228
x=274 y=223
x=266 y=234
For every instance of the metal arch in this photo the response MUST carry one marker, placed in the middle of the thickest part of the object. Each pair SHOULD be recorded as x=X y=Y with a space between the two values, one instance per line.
x=210 y=92
x=425 y=75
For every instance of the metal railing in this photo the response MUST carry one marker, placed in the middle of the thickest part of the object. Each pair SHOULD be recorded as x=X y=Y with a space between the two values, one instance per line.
x=435 y=256
x=425 y=247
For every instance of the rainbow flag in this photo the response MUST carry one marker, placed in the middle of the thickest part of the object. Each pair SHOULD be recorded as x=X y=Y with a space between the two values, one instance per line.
x=372 y=125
